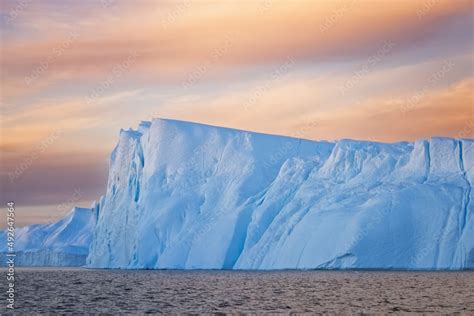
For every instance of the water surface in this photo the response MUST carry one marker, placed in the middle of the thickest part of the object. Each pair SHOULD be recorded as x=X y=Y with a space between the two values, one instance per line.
x=95 y=291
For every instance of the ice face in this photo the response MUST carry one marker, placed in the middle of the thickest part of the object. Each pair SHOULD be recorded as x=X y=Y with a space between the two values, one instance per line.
x=183 y=195
x=189 y=196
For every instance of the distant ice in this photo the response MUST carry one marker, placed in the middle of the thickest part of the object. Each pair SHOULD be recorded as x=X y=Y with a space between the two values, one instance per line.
x=63 y=243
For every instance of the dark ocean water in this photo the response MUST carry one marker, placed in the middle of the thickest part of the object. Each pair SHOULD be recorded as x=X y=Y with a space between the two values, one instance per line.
x=130 y=292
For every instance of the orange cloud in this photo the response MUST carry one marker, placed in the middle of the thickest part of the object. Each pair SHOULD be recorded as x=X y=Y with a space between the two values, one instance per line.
x=444 y=111
x=176 y=41
x=447 y=112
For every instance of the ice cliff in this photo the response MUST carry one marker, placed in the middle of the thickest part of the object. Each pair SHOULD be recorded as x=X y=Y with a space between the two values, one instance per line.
x=189 y=196
x=183 y=195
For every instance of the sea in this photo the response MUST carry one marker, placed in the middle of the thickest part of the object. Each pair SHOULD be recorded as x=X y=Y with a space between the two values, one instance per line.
x=85 y=291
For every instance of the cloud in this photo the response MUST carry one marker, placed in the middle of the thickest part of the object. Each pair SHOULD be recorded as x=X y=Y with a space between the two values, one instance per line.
x=54 y=180
x=172 y=41
x=24 y=127
x=298 y=102
x=444 y=112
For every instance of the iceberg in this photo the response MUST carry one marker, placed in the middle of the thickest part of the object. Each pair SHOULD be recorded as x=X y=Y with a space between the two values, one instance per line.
x=183 y=195
x=64 y=243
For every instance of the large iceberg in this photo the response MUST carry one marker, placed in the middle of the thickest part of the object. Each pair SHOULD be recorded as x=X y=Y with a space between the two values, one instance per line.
x=183 y=195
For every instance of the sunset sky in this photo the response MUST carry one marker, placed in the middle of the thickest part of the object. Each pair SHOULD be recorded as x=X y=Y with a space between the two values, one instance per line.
x=74 y=72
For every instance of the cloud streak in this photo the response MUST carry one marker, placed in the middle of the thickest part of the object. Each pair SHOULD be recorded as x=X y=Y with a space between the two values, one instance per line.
x=170 y=54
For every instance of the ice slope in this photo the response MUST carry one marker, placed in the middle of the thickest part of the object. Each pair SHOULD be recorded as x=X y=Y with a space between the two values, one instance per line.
x=183 y=195
x=63 y=243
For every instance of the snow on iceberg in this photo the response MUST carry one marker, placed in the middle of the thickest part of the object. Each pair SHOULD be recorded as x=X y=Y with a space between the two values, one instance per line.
x=63 y=243
x=183 y=195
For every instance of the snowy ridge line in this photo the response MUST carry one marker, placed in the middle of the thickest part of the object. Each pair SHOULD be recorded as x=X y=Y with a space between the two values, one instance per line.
x=183 y=195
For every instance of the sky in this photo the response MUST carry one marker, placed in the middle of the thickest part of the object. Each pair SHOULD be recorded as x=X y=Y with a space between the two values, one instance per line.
x=73 y=73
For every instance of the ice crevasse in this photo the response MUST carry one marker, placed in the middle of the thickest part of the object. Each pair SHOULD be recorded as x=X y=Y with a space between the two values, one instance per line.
x=183 y=195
